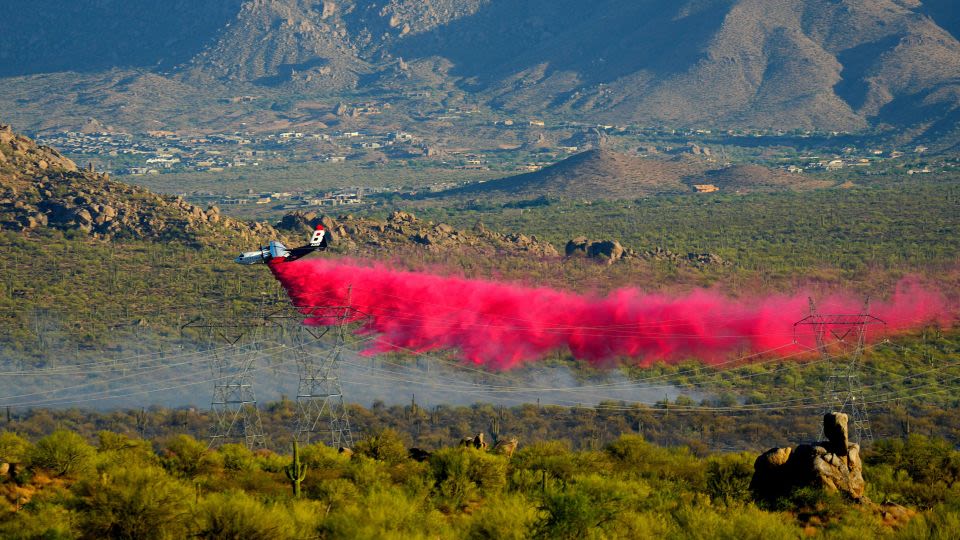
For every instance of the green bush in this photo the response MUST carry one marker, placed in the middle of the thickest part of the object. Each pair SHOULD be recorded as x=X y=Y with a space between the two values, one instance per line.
x=237 y=457
x=62 y=453
x=187 y=457
x=114 y=448
x=695 y=522
x=13 y=448
x=385 y=514
x=465 y=475
x=510 y=516
x=633 y=453
x=139 y=502
x=269 y=461
x=385 y=445
x=728 y=477
x=234 y=514
x=940 y=523
x=537 y=463
x=40 y=521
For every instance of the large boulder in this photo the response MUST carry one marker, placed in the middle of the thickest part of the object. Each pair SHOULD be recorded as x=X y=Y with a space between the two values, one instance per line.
x=607 y=250
x=833 y=465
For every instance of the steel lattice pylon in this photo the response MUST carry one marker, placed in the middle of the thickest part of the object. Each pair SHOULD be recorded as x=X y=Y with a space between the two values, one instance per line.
x=233 y=348
x=843 y=392
x=321 y=412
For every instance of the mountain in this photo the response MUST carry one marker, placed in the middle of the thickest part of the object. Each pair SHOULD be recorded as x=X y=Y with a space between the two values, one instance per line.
x=594 y=174
x=603 y=174
x=40 y=188
x=847 y=65
x=824 y=64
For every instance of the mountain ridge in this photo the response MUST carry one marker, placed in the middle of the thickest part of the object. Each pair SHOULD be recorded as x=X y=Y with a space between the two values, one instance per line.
x=849 y=65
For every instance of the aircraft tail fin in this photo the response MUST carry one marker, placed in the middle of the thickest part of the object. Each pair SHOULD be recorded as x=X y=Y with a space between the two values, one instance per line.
x=319 y=237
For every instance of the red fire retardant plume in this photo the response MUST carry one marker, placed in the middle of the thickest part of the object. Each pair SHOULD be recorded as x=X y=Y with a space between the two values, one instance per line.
x=501 y=325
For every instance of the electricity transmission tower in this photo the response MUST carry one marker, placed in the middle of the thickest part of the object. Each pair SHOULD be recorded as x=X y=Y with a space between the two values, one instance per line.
x=321 y=412
x=232 y=347
x=846 y=333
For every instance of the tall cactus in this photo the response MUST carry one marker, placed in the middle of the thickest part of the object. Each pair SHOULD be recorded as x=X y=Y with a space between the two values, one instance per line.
x=495 y=429
x=296 y=471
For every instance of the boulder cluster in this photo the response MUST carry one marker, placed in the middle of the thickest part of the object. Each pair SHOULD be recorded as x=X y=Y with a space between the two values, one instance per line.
x=403 y=228
x=833 y=465
x=612 y=251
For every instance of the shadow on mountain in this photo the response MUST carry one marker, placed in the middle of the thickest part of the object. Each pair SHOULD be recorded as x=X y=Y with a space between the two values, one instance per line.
x=46 y=36
x=945 y=13
x=857 y=61
x=600 y=41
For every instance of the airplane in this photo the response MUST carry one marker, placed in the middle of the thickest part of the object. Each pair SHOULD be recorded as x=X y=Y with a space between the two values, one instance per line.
x=276 y=252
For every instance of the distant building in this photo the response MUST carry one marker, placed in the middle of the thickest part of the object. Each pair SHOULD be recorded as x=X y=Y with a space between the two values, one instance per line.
x=705 y=188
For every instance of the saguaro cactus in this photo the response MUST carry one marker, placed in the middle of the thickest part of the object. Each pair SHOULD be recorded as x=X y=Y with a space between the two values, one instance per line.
x=296 y=471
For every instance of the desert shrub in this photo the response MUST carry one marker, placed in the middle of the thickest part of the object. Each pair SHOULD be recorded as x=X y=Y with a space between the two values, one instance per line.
x=234 y=514
x=13 y=448
x=237 y=457
x=335 y=493
x=306 y=516
x=187 y=457
x=728 y=477
x=114 y=448
x=138 y=502
x=508 y=517
x=885 y=483
x=320 y=457
x=636 y=455
x=368 y=474
x=568 y=514
x=940 y=523
x=697 y=522
x=542 y=462
x=814 y=502
x=588 y=505
x=40 y=521
x=464 y=475
x=269 y=461
x=385 y=445
x=925 y=459
x=385 y=514
x=62 y=453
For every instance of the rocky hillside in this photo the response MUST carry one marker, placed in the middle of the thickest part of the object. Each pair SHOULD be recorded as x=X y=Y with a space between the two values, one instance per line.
x=369 y=236
x=41 y=188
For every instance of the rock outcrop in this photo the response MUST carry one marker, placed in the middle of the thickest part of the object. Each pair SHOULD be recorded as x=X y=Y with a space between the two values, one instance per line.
x=405 y=229
x=833 y=465
x=39 y=187
x=612 y=251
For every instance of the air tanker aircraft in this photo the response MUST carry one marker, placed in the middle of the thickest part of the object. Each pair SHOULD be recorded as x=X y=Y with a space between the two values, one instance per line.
x=278 y=253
